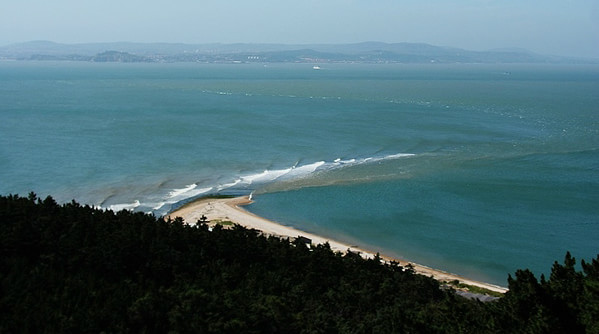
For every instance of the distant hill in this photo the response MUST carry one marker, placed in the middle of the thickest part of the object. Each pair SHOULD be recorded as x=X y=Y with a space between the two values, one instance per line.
x=371 y=52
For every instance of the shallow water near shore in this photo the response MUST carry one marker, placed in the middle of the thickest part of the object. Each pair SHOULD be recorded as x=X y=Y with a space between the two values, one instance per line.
x=473 y=169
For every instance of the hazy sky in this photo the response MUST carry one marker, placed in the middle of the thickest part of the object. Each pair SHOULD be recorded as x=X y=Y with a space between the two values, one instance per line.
x=561 y=27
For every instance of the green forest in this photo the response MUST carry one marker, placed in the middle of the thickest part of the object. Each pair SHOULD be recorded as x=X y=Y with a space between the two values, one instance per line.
x=71 y=268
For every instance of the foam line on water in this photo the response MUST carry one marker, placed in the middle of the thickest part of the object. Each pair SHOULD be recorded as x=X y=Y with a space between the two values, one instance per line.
x=297 y=171
x=174 y=196
x=176 y=192
x=265 y=176
x=252 y=181
x=126 y=206
x=228 y=185
x=304 y=170
x=301 y=171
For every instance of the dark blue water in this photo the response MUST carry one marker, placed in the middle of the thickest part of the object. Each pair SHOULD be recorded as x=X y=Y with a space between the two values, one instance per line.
x=474 y=169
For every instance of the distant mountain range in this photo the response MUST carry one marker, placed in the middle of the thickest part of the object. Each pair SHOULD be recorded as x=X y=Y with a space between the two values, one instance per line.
x=370 y=52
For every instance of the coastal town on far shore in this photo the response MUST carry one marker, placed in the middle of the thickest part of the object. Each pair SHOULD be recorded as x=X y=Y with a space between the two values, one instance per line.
x=366 y=52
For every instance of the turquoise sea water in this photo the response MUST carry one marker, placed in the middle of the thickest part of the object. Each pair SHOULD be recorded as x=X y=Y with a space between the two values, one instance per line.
x=474 y=169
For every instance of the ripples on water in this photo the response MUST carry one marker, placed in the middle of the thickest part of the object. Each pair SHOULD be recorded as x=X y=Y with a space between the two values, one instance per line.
x=475 y=169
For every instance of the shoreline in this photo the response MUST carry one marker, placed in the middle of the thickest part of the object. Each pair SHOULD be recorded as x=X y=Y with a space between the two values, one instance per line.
x=230 y=209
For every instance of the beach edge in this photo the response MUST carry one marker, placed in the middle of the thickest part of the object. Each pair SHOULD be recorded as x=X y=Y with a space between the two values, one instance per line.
x=231 y=210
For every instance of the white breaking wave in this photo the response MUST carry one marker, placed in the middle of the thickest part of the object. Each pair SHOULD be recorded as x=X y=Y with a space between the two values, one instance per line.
x=228 y=185
x=174 y=196
x=189 y=191
x=266 y=176
x=198 y=191
x=297 y=172
x=278 y=174
x=253 y=181
x=304 y=170
x=119 y=207
x=339 y=162
x=399 y=155
x=177 y=192
x=158 y=206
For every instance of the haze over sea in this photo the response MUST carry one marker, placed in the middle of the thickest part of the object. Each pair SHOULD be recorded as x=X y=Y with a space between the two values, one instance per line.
x=474 y=169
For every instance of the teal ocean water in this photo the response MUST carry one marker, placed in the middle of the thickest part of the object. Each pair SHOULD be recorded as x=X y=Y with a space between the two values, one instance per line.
x=474 y=169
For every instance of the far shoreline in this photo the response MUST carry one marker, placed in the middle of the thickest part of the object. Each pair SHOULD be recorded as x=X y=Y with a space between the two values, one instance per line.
x=230 y=209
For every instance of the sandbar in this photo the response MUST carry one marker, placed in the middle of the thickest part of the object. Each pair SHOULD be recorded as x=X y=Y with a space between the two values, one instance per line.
x=230 y=209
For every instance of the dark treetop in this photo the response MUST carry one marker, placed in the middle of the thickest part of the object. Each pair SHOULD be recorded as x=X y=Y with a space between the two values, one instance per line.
x=73 y=268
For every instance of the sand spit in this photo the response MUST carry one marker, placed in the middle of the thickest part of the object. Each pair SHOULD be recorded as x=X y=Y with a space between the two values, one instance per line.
x=229 y=209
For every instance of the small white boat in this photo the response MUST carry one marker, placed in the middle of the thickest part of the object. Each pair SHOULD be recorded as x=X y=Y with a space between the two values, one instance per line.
x=316 y=67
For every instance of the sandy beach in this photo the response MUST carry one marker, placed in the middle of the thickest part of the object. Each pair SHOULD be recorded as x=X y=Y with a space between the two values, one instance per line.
x=230 y=209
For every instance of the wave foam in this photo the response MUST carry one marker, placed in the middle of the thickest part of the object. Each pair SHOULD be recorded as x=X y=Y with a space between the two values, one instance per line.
x=265 y=176
x=177 y=192
x=304 y=170
x=120 y=207
x=252 y=182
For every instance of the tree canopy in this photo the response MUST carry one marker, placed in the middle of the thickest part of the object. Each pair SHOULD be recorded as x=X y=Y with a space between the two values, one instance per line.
x=73 y=268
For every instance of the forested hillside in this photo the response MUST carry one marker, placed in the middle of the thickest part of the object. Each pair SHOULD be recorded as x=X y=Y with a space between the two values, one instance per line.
x=73 y=268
